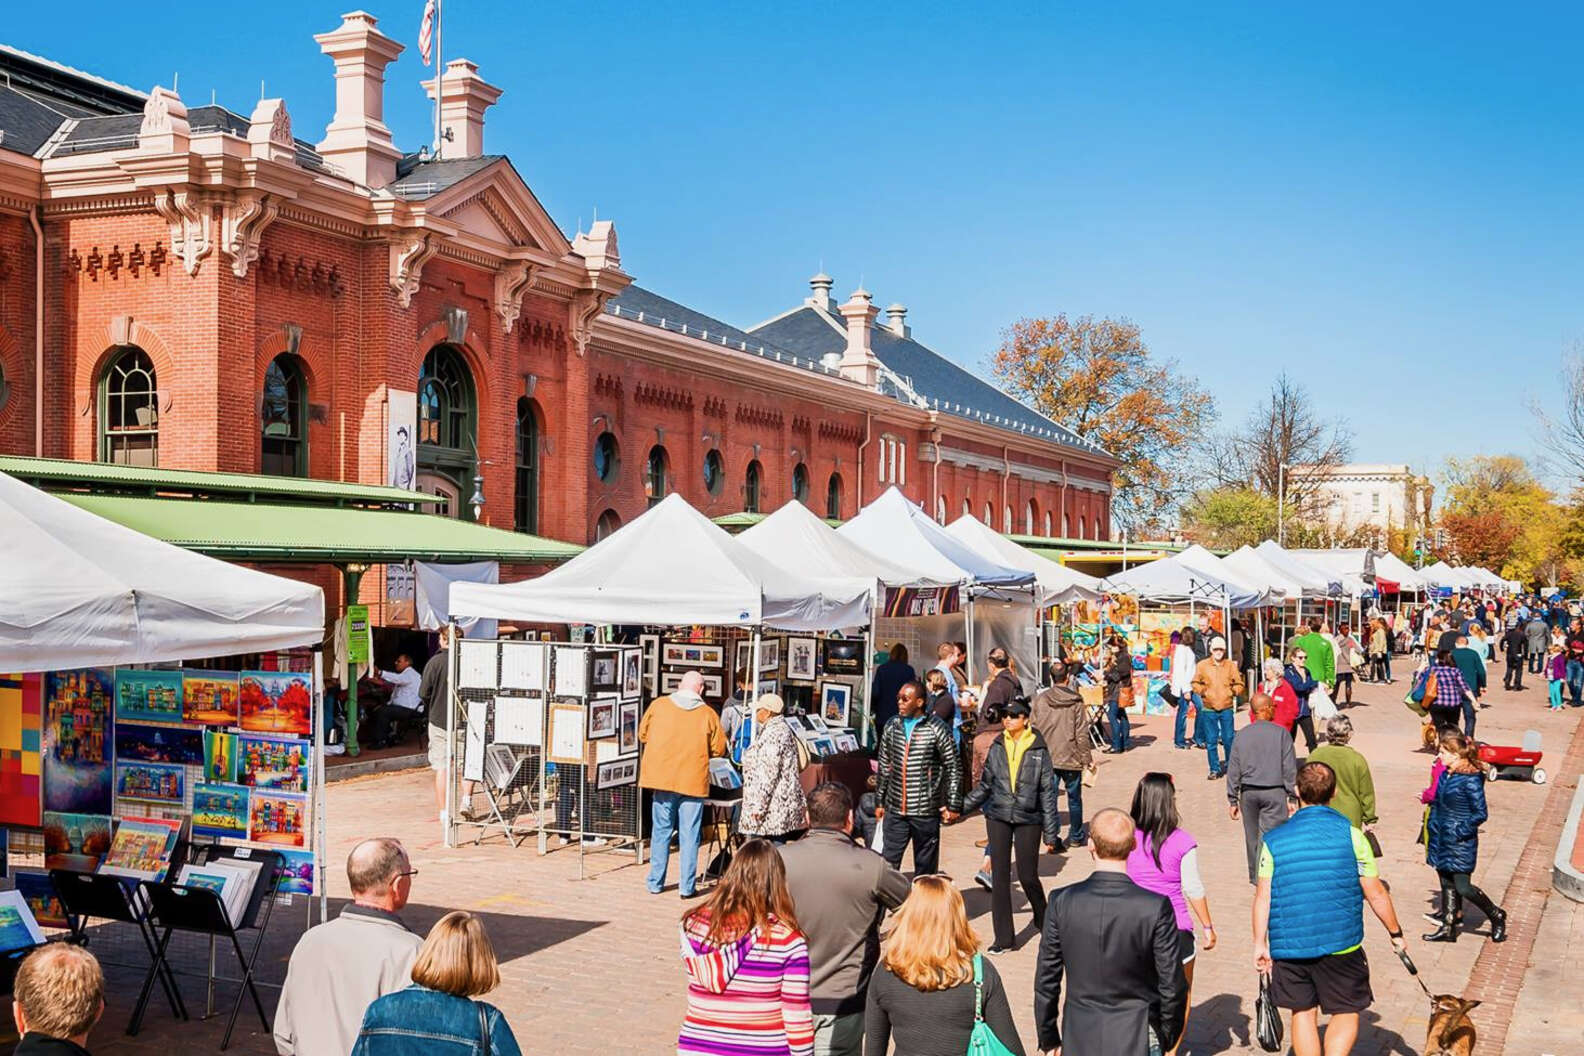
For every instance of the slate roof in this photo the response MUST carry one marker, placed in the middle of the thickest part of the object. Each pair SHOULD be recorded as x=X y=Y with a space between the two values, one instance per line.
x=26 y=123
x=70 y=92
x=417 y=178
x=646 y=306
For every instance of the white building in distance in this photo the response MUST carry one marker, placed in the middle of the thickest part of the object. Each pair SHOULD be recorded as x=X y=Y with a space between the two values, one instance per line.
x=1365 y=495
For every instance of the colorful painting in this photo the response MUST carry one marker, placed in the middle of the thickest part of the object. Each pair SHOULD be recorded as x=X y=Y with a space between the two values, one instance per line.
x=142 y=848
x=220 y=757
x=77 y=741
x=298 y=878
x=278 y=763
x=18 y=931
x=21 y=748
x=75 y=841
x=220 y=811
x=210 y=697
x=151 y=782
x=279 y=818
x=148 y=696
x=276 y=702
x=39 y=893
x=158 y=744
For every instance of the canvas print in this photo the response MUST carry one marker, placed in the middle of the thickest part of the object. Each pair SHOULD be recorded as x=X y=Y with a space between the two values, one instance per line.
x=279 y=818
x=220 y=757
x=75 y=841
x=276 y=702
x=148 y=696
x=835 y=698
x=278 y=763
x=39 y=894
x=78 y=777
x=18 y=929
x=21 y=749
x=220 y=811
x=627 y=728
x=299 y=875
x=210 y=697
x=800 y=659
x=142 y=848
x=136 y=743
x=151 y=782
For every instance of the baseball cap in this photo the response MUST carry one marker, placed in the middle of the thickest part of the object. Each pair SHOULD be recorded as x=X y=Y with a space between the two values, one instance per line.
x=1218 y=642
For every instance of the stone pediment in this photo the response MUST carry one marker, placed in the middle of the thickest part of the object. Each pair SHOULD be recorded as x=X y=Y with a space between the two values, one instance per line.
x=495 y=205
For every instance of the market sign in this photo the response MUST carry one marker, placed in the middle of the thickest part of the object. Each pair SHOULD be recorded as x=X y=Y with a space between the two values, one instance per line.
x=902 y=602
x=358 y=637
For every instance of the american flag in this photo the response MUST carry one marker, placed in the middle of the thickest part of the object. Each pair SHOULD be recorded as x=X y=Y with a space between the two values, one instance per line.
x=426 y=33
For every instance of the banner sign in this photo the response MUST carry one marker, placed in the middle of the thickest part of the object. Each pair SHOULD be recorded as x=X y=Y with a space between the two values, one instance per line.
x=902 y=602
x=357 y=624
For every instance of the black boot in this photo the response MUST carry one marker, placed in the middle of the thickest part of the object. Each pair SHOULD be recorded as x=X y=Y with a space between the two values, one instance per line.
x=1499 y=926
x=1452 y=916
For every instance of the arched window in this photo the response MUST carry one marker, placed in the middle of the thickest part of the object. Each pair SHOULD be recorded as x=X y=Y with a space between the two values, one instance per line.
x=129 y=410
x=1083 y=528
x=940 y=508
x=657 y=475
x=800 y=483
x=526 y=518
x=607 y=457
x=752 y=481
x=714 y=472
x=893 y=460
x=283 y=425
x=1006 y=520
x=989 y=516
x=1066 y=528
x=608 y=522
x=1030 y=517
x=447 y=428
x=967 y=508
x=833 y=497
x=1047 y=524
x=5 y=389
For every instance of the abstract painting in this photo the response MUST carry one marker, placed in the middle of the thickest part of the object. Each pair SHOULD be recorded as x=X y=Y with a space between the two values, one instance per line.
x=78 y=741
x=21 y=757
x=278 y=818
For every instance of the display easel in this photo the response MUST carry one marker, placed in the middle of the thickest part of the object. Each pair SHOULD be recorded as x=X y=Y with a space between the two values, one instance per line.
x=88 y=896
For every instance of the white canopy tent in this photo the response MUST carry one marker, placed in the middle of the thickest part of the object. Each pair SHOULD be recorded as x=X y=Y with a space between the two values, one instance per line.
x=1057 y=583
x=1170 y=581
x=1442 y=574
x=81 y=591
x=1393 y=569
x=894 y=527
x=1197 y=557
x=1253 y=568
x=1354 y=566
x=671 y=566
x=793 y=537
x=1316 y=582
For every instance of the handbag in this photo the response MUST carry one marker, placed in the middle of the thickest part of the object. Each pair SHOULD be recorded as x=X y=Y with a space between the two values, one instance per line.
x=1267 y=1019
x=1355 y=658
x=983 y=1041
x=484 y=1034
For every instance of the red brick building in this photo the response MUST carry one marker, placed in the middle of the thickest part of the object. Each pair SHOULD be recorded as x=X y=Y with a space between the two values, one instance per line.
x=196 y=289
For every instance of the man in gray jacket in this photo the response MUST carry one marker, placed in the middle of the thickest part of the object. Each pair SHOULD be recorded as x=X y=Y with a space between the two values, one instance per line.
x=1261 y=777
x=841 y=891
x=341 y=966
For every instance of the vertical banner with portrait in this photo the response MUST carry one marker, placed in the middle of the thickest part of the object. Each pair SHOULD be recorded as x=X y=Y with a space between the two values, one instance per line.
x=401 y=450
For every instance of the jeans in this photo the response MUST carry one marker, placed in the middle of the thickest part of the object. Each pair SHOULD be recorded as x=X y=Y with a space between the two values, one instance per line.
x=1575 y=681
x=1181 y=727
x=1556 y=693
x=1515 y=672
x=1218 y=730
x=1535 y=660
x=1073 y=780
x=1386 y=662
x=838 y=1035
x=566 y=796
x=1199 y=726
x=1468 y=717
x=1005 y=840
x=924 y=832
x=1119 y=725
x=673 y=812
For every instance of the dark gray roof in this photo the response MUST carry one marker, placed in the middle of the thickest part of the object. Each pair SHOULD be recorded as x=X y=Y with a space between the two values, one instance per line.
x=418 y=178
x=25 y=123
x=93 y=134
x=68 y=91
x=646 y=306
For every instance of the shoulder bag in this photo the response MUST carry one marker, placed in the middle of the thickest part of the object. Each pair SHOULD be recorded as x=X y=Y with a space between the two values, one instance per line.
x=484 y=1031
x=983 y=1041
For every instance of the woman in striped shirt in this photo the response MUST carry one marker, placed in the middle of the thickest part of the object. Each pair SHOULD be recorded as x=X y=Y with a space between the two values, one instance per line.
x=747 y=965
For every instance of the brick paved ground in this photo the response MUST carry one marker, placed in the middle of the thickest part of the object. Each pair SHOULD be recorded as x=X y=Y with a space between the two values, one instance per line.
x=590 y=966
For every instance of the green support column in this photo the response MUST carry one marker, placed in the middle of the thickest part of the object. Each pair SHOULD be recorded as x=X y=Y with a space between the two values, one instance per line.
x=351 y=576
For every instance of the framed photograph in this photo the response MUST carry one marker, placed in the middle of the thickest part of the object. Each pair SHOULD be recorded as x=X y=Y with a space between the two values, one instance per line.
x=769 y=685
x=722 y=774
x=769 y=654
x=607 y=670
x=631 y=673
x=693 y=654
x=670 y=680
x=846 y=742
x=566 y=733
x=817 y=724
x=800 y=664
x=602 y=717
x=649 y=646
x=616 y=773
x=627 y=727
x=743 y=656
x=835 y=699
x=843 y=656
x=822 y=746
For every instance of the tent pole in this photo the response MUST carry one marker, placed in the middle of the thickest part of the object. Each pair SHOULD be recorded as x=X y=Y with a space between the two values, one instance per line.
x=319 y=789
x=753 y=690
x=453 y=665
x=868 y=686
x=968 y=637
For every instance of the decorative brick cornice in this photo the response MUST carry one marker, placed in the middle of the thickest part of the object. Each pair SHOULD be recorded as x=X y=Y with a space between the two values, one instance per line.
x=609 y=385
x=538 y=333
x=301 y=274
x=111 y=264
x=108 y=205
x=242 y=223
x=760 y=416
x=656 y=396
x=407 y=259
x=801 y=424
x=840 y=431
x=190 y=220
x=714 y=407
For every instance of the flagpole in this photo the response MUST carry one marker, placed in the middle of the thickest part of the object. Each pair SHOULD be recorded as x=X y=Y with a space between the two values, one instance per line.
x=439 y=66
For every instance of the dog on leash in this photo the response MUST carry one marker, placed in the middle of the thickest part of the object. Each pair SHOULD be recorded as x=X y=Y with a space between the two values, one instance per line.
x=1451 y=1031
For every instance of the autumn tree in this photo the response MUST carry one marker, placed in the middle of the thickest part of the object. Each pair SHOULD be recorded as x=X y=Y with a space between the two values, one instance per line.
x=1484 y=538
x=1499 y=516
x=1285 y=445
x=1563 y=434
x=1098 y=378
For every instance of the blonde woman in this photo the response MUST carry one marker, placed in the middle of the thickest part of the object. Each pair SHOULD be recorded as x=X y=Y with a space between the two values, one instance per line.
x=437 y=1014
x=922 y=994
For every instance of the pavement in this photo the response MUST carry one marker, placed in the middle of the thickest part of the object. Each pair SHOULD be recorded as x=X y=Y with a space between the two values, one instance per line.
x=589 y=965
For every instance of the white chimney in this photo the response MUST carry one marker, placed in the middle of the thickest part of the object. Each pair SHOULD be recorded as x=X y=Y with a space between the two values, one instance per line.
x=819 y=293
x=896 y=321
x=356 y=140
x=858 y=362
x=464 y=97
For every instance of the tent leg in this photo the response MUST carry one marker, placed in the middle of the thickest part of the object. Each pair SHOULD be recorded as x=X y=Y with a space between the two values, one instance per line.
x=753 y=682
x=863 y=727
x=968 y=636
x=453 y=666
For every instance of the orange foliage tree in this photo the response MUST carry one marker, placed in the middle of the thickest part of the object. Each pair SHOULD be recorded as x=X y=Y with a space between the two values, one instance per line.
x=1485 y=538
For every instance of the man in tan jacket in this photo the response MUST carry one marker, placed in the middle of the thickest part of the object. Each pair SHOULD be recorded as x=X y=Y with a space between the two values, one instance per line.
x=680 y=734
x=1218 y=682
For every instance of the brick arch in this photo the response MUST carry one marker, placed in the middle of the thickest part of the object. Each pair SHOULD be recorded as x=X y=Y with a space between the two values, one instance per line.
x=144 y=337
x=472 y=354
x=11 y=364
x=308 y=356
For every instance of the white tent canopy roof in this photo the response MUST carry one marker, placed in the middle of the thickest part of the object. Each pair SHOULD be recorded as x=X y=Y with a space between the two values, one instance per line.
x=898 y=530
x=1442 y=574
x=1197 y=557
x=793 y=537
x=1390 y=567
x=1170 y=581
x=671 y=566
x=1058 y=584
x=81 y=591
x=1354 y=566
x=1253 y=568
x=1316 y=582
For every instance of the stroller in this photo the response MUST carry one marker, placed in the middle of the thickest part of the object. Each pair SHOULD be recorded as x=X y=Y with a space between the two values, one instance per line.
x=1522 y=763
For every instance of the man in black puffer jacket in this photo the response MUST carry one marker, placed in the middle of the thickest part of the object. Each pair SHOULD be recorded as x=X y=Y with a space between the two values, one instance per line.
x=918 y=784
x=1018 y=793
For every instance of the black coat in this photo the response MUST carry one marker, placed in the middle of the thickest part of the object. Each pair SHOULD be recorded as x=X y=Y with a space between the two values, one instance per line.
x=1034 y=802
x=1117 y=945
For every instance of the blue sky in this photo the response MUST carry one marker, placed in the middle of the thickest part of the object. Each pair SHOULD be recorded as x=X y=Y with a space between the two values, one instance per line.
x=1382 y=199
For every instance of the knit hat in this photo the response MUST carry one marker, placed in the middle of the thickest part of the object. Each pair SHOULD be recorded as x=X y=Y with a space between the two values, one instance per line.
x=770 y=702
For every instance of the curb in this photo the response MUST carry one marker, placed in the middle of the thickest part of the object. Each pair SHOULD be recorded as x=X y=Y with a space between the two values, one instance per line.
x=363 y=768
x=1565 y=876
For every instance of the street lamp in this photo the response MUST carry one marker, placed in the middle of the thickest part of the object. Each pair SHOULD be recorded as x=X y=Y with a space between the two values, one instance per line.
x=1281 y=504
x=477 y=500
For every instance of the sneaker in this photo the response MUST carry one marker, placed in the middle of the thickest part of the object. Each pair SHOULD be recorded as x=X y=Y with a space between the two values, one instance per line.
x=996 y=951
x=1078 y=839
x=982 y=878
x=688 y=896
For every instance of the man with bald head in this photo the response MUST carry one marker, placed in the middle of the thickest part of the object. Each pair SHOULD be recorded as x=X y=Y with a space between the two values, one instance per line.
x=1119 y=947
x=679 y=733
x=341 y=966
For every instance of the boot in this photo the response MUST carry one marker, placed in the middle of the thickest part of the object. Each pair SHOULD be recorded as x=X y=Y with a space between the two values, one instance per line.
x=1499 y=926
x=1452 y=916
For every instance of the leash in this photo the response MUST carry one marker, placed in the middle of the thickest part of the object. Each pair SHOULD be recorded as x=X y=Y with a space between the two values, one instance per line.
x=1402 y=955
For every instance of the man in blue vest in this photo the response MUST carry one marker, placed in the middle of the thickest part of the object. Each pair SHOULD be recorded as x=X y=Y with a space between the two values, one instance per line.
x=1315 y=874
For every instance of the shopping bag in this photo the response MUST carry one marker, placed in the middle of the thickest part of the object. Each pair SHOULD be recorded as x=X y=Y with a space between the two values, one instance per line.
x=1320 y=705
x=1267 y=1019
x=1089 y=774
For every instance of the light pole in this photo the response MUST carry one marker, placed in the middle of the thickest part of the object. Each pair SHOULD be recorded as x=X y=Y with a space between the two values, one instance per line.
x=1281 y=504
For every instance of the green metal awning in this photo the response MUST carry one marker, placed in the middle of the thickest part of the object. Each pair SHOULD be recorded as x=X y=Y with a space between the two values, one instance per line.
x=55 y=473
x=741 y=522
x=238 y=531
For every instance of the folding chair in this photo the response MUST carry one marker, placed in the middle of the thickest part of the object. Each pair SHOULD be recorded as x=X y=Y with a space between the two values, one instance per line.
x=502 y=767
x=194 y=909
x=85 y=896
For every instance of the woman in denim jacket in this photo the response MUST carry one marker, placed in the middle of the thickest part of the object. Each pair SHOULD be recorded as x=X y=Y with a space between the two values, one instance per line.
x=437 y=1015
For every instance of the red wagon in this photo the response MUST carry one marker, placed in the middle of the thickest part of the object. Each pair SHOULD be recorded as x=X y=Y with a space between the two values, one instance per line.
x=1522 y=763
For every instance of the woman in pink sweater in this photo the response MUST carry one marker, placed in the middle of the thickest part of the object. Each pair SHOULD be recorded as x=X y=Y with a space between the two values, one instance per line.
x=747 y=965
